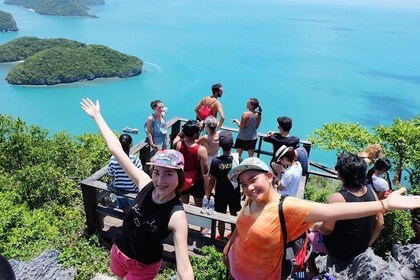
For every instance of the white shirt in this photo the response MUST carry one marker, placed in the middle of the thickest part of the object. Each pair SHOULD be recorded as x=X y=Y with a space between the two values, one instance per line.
x=379 y=184
x=291 y=180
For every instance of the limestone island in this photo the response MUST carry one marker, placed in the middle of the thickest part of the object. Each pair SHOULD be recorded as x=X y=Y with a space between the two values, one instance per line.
x=75 y=8
x=7 y=23
x=56 y=61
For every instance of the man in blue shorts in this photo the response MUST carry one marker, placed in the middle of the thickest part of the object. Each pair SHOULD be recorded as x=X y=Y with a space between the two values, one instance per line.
x=226 y=193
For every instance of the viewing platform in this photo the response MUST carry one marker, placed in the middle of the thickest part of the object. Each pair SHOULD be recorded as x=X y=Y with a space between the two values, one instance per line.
x=105 y=219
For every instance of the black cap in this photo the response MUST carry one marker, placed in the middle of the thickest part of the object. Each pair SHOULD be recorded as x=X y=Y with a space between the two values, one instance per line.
x=225 y=138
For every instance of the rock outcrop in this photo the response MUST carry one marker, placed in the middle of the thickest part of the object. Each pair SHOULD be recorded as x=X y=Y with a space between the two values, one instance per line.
x=368 y=266
x=43 y=267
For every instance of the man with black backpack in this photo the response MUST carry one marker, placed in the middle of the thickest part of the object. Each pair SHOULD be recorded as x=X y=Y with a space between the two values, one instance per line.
x=210 y=106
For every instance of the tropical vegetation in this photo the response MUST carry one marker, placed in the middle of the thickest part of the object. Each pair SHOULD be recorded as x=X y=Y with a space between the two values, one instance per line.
x=57 y=7
x=54 y=61
x=40 y=202
x=401 y=143
x=23 y=47
x=7 y=23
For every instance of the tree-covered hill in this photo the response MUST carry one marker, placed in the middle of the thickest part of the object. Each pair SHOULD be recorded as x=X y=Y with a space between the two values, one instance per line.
x=7 y=23
x=66 y=65
x=23 y=47
x=57 y=7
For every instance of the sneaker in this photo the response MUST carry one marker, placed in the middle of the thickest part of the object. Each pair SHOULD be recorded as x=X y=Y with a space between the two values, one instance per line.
x=411 y=271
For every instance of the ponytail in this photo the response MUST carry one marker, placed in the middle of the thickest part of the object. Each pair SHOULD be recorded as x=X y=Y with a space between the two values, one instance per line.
x=126 y=141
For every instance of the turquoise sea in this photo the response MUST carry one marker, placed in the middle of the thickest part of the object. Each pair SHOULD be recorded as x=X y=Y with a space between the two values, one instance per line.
x=315 y=61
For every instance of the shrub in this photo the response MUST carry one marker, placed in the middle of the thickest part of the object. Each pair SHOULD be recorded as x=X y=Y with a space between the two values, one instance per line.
x=397 y=230
x=319 y=189
x=210 y=266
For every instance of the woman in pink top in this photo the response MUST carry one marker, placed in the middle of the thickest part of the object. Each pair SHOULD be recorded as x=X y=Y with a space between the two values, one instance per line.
x=255 y=249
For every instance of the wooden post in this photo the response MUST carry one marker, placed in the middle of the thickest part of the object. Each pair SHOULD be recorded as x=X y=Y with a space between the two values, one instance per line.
x=307 y=145
x=90 y=202
x=259 y=146
x=175 y=129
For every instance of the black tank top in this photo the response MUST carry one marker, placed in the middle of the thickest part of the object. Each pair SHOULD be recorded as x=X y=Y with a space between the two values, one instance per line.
x=145 y=226
x=351 y=237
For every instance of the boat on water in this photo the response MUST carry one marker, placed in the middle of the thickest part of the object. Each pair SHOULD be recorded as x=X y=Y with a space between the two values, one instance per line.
x=130 y=130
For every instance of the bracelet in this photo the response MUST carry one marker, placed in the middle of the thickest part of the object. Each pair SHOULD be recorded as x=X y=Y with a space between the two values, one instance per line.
x=384 y=210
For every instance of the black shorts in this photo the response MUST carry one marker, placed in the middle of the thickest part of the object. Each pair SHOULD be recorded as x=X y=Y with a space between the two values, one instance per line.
x=245 y=144
x=233 y=199
x=197 y=190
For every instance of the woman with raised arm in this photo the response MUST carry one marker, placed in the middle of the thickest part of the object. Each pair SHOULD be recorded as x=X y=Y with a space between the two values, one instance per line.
x=256 y=247
x=155 y=212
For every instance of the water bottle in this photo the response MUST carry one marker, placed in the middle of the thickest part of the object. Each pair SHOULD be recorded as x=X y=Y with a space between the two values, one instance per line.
x=205 y=205
x=211 y=206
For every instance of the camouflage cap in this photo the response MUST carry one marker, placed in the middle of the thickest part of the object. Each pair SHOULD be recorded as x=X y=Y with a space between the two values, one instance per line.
x=168 y=158
x=252 y=163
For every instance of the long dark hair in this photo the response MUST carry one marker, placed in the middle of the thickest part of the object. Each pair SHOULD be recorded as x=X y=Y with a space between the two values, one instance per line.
x=126 y=141
x=382 y=164
x=351 y=170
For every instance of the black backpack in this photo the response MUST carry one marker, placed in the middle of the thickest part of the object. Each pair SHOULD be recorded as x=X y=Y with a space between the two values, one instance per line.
x=291 y=249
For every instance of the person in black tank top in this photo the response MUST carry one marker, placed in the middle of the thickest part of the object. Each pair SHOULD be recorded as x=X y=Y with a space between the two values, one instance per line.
x=346 y=239
x=154 y=214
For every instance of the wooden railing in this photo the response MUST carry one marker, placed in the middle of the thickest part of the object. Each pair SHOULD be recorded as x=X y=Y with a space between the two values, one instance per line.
x=93 y=184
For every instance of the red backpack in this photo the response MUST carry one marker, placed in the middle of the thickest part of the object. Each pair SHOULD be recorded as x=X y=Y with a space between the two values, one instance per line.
x=205 y=110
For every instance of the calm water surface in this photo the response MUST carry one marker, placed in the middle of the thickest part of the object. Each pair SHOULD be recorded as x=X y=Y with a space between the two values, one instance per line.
x=314 y=61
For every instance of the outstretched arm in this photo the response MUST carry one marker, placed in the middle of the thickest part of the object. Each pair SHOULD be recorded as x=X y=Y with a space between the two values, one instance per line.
x=354 y=210
x=138 y=176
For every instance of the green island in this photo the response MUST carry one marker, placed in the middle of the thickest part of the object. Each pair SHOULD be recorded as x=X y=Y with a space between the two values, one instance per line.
x=7 y=23
x=78 y=8
x=23 y=47
x=56 y=61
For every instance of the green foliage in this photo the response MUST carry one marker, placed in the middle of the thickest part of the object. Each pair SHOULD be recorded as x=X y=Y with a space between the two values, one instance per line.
x=400 y=142
x=318 y=189
x=24 y=47
x=87 y=255
x=66 y=65
x=40 y=202
x=166 y=274
x=57 y=7
x=210 y=266
x=397 y=230
x=7 y=23
x=342 y=137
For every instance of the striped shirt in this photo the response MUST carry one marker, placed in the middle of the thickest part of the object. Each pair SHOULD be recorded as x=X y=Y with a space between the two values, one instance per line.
x=120 y=179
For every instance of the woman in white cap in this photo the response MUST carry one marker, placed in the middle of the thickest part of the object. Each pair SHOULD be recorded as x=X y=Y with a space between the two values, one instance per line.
x=154 y=214
x=256 y=247
x=289 y=171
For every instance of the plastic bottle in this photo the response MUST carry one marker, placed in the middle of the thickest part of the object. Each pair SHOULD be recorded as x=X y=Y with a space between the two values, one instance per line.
x=205 y=205
x=211 y=206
